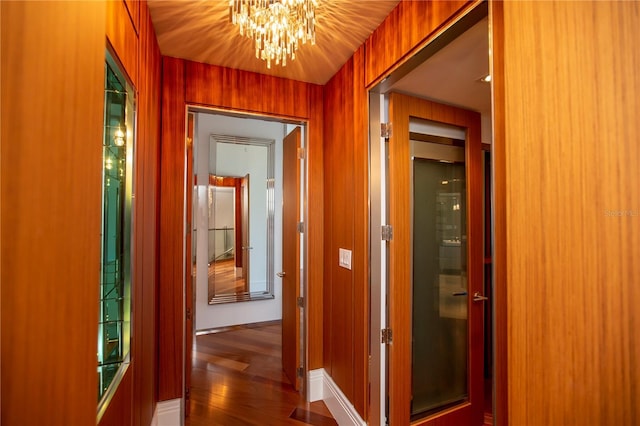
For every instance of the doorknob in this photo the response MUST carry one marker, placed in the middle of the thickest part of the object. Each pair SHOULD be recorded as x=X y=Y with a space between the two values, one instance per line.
x=281 y=274
x=247 y=248
x=477 y=297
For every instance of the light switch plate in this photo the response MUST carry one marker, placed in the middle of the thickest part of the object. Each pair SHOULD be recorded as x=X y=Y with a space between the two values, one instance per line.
x=345 y=258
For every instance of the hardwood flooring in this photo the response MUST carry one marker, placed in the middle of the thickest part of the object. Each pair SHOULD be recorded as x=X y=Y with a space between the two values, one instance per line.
x=222 y=274
x=237 y=379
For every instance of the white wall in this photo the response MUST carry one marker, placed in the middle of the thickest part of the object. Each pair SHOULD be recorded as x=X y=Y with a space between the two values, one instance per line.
x=213 y=316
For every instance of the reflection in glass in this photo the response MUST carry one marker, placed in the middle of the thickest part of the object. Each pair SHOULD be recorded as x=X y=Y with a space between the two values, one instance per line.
x=228 y=235
x=439 y=352
x=240 y=206
x=114 y=328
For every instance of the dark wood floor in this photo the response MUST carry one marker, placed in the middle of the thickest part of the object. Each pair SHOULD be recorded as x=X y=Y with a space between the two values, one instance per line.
x=237 y=379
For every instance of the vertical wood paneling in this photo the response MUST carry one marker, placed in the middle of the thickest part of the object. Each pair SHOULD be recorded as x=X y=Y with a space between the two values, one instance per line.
x=315 y=219
x=569 y=156
x=51 y=154
x=123 y=37
x=346 y=306
x=146 y=224
x=171 y=291
x=235 y=89
x=134 y=7
x=410 y=23
x=361 y=256
x=339 y=216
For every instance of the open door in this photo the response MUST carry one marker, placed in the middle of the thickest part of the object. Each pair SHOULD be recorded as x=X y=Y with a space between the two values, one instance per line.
x=190 y=266
x=290 y=254
x=435 y=264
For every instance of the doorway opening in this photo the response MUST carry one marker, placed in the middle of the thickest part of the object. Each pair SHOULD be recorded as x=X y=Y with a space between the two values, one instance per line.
x=450 y=70
x=244 y=196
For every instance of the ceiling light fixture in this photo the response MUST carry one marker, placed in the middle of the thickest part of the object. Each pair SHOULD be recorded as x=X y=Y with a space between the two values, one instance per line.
x=277 y=27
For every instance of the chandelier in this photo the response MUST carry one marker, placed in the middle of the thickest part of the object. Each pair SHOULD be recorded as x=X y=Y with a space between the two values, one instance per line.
x=277 y=27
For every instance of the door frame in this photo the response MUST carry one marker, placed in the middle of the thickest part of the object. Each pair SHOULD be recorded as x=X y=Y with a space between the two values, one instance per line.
x=378 y=193
x=401 y=109
x=302 y=260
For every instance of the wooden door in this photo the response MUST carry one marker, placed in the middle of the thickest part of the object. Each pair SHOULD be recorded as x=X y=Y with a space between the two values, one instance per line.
x=467 y=407
x=189 y=266
x=246 y=243
x=290 y=254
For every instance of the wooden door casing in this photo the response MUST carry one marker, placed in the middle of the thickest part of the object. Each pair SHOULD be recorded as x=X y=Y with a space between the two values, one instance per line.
x=401 y=108
x=290 y=256
x=189 y=266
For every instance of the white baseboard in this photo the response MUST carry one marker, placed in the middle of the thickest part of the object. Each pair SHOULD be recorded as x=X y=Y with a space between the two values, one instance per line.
x=168 y=413
x=341 y=408
x=315 y=384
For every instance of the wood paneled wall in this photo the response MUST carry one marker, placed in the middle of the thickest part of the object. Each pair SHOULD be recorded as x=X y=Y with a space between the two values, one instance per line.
x=402 y=32
x=52 y=121
x=346 y=307
x=145 y=339
x=171 y=315
x=186 y=82
x=567 y=109
x=132 y=37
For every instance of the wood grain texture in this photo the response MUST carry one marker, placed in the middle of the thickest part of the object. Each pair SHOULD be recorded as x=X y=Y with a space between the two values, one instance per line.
x=238 y=380
x=403 y=31
x=360 y=265
x=346 y=292
x=401 y=108
x=51 y=153
x=145 y=340
x=171 y=283
x=291 y=255
x=140 y=400
x=123 y=37
x=572 y=219
x=339 y=216
x=315 y=220
x=216 y=87
x=120 y=410
x=499 y=210
x=189 y=264
x=134 y=8
x=235 y=89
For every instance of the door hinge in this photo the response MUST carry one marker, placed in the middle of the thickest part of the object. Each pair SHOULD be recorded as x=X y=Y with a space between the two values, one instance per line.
x=386 y=336
x=387 y=232
x=301 y=227
x=301 y=153
x=385 y=130
x=300 y=302
x=187 y=393
x=188 y=313
x=300 y=372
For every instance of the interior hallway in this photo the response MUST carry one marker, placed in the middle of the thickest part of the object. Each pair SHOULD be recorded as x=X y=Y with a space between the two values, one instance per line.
x=237 y=379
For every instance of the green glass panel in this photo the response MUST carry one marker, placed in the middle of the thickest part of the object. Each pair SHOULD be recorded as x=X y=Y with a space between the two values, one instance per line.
x=114 y=325
x=439 y=330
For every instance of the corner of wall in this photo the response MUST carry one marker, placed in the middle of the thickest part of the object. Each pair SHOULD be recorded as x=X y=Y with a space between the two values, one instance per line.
x=339 y=405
